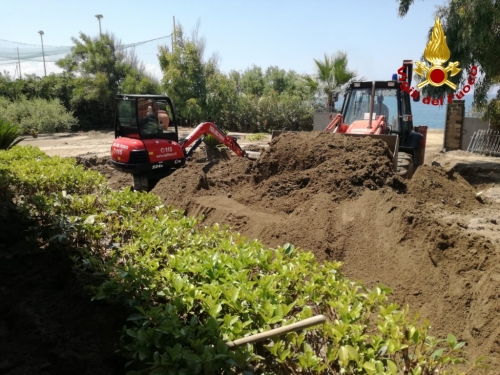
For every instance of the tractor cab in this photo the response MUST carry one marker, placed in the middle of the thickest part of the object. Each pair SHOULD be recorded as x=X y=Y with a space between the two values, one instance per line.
x=145 y=117
x=376 y=99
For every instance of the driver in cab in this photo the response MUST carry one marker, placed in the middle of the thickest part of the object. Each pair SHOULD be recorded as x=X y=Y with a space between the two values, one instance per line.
x=380 y=108
x=150 y=122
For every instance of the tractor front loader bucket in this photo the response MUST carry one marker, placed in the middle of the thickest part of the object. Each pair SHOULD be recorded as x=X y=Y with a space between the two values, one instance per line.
x=392 y=142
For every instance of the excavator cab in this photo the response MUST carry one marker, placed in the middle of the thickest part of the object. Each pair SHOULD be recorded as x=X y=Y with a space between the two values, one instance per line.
x=145 y=117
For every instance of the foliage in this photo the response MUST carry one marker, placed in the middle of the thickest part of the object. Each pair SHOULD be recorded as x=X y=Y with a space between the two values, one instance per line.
x=236 y=101
x=492 y=113
x=92 y=56
x=37 y=115
x=9 y=135
x=222 y=98
x=331 y=75
x=269 y=112
x=185 y=75
x=472 y=30
x=136 y=82
x=252 y=81
x=193 y=289
x=211 y=142
x=94 y=71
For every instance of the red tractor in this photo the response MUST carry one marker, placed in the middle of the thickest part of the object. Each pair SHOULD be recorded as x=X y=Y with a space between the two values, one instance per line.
x=147 y=143
x=381 y=109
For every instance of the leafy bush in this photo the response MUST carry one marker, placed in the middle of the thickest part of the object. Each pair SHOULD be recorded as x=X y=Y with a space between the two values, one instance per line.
x=211 y=142
x=270 y=112
x=193 y=289
x=38 y=115
x=9 y=135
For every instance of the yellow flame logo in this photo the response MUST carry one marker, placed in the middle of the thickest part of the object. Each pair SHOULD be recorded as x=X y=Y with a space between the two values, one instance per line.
x=437 y=53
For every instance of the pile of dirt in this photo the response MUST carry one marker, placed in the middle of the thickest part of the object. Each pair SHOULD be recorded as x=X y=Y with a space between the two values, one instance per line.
x=102 y=164
x=338 y=197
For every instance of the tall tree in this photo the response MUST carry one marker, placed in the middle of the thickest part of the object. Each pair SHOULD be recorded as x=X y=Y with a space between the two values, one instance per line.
x=104 y=61
x=186 y=73
x=93 y=56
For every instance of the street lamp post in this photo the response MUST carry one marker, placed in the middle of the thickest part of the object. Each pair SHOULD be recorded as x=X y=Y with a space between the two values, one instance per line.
x=99 y=16
x=43 y=53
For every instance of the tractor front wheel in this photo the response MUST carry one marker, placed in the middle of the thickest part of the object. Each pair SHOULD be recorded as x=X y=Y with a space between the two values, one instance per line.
x=405 y=165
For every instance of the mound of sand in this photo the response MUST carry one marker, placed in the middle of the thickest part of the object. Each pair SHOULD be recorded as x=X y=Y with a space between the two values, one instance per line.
x=338 y=197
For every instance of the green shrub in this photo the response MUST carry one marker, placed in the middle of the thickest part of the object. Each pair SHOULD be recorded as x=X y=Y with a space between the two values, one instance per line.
x=195 y=289
x=38 y=115
x=269 y=112
x=9 y=135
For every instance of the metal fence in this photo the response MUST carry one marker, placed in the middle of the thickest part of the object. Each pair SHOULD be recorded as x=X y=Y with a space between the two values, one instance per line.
x=486 y=142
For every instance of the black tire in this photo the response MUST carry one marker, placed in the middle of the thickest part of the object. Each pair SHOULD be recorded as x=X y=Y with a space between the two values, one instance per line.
x=405 y=165
x=141 y=182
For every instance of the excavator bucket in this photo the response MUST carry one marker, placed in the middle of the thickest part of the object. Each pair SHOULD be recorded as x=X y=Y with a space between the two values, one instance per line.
x=392 y=142
x=252 y=155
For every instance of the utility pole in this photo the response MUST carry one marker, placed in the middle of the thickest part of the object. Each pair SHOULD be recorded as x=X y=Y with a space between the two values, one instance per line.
x=99 y=16
x=43 y=52
x=19 y=61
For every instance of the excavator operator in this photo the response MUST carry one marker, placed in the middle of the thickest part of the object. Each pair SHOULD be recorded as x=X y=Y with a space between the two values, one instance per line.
x=150 y=122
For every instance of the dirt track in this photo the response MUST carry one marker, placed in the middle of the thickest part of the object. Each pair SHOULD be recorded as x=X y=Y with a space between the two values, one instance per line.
x=431 y=239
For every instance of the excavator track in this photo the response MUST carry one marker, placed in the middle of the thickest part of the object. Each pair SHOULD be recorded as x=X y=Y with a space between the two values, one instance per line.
x=144 y=182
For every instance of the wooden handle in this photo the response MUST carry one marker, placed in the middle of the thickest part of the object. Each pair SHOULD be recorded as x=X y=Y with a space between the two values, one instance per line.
x=306 y=323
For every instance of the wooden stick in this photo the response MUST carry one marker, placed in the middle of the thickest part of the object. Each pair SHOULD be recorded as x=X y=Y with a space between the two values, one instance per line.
x=306 y=323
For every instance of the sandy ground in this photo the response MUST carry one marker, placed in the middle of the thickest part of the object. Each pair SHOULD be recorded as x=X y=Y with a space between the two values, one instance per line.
x=438 y=249
x=99 y=143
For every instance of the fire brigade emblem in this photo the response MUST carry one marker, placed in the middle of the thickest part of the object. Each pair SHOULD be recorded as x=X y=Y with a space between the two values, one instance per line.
x=437 y=53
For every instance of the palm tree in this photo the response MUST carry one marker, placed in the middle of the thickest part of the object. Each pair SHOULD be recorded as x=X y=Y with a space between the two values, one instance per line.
x=331 y=74
x=9 y=135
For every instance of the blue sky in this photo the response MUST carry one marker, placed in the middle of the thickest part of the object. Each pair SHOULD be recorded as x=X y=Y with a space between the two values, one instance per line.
x=288 y=34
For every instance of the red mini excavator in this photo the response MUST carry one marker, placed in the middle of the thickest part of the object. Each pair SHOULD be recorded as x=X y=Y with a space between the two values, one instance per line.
x=147 y=143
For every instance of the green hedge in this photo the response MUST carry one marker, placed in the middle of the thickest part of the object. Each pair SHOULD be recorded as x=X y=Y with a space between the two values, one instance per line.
x=37 y=115
x=192 y=290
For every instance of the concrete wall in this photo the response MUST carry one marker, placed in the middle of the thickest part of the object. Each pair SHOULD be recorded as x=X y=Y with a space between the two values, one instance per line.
x=453 y=125
x=471 y=125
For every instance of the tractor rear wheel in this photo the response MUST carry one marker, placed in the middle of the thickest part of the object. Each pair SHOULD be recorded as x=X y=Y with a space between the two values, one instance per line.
x=405 y=165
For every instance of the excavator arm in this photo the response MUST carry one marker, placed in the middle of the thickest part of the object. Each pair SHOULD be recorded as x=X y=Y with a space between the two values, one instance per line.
x=199 y=133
